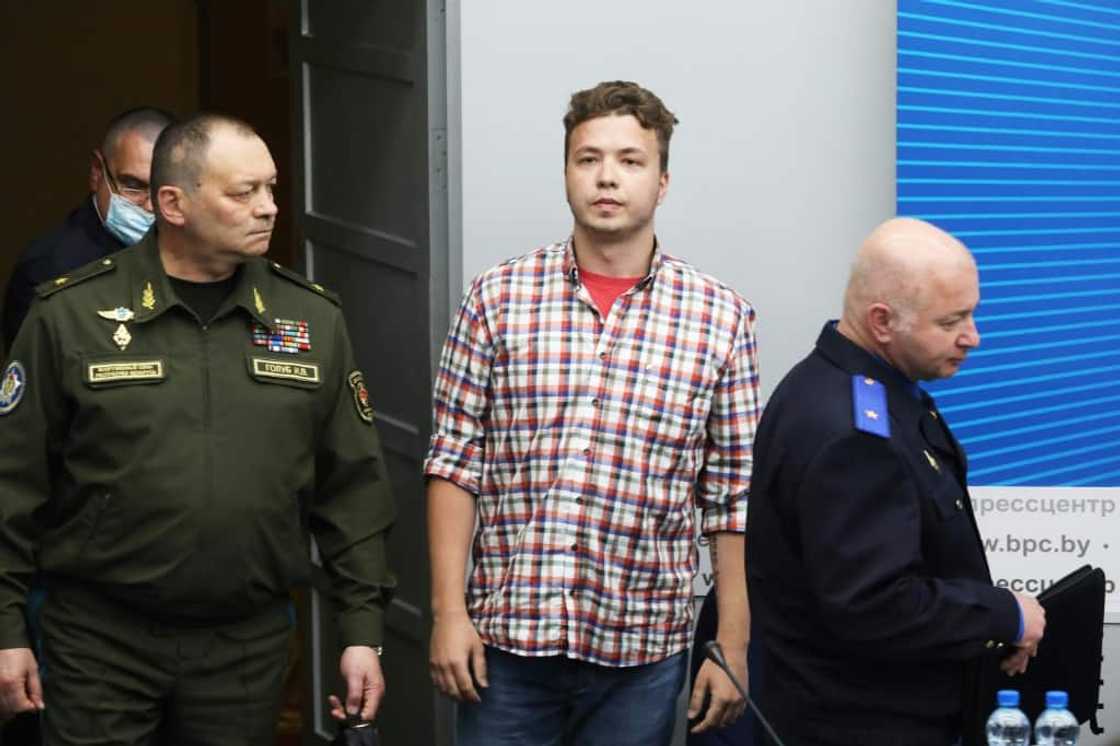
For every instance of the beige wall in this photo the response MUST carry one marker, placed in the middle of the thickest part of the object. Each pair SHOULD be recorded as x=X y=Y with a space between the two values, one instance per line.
x=68 y=67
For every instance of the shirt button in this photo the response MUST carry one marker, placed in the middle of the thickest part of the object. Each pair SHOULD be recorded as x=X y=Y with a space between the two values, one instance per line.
x=579 y=501
x=595 y=402
x=575 y=547
x=603 y=355
x=586 y=451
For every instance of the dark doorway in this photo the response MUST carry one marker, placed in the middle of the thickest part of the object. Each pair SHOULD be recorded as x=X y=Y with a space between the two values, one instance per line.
x=348 y=94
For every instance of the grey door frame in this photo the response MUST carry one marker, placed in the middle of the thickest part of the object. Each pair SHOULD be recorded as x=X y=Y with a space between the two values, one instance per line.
x=438 y=268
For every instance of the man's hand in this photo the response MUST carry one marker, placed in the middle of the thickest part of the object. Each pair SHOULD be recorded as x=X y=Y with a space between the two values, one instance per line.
x=725 y=704
x=1016 y=663
x=365 y=686
x=20 y=690
x=1034 y=620
x=1034 y=625
x=456 y=650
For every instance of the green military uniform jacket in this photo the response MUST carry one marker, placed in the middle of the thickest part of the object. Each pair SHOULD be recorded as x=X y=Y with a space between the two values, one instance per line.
x=179 y=467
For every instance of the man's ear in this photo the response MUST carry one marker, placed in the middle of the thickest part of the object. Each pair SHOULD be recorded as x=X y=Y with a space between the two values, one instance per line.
x=663 y=187
x=171 y=204
x=95 y=172
x=879 y=317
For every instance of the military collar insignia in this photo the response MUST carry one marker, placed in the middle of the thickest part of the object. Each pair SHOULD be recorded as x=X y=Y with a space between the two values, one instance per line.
x=12 y=386
x=361 y=396
x=120 y=314
x=932 y=461
x=258 y=301
x=284 y=335
x=148 y=297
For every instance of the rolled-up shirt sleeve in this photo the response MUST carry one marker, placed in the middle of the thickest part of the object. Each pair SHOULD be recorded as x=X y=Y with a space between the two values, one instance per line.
x=724 y=481
x=461 y=397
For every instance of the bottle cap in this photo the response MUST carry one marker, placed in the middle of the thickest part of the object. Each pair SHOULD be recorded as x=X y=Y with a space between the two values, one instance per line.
x=1057 y=700
x=1007 y=698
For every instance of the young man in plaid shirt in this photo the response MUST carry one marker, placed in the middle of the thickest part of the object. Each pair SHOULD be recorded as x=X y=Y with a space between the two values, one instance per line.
x=591 y=395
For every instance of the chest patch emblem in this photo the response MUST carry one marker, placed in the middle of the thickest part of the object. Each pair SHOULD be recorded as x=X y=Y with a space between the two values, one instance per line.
x=121 y=337
x=120 y=314
x=284 y=336
x=361 y=396
x=12 y=386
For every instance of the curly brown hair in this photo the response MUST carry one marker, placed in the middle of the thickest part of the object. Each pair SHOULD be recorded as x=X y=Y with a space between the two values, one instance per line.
x=621 y=97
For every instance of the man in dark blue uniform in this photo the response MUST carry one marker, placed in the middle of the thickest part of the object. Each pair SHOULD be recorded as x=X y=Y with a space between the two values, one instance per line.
x=117 y=213
x=870 y=592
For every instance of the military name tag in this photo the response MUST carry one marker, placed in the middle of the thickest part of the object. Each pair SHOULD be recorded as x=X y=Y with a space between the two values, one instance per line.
x=284 y=370
x=140 y=370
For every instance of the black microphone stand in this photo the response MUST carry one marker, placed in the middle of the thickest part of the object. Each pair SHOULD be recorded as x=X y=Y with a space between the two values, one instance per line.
x=714 y=653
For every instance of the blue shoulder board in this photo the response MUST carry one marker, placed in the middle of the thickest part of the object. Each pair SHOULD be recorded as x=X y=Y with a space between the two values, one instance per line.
x=869 y=405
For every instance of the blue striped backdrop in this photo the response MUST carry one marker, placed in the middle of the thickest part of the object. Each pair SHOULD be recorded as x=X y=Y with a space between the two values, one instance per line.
x=1009 y=137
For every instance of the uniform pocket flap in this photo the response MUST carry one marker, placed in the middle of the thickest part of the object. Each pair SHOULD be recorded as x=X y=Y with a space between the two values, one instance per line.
x=299 y=373
x=101 y=372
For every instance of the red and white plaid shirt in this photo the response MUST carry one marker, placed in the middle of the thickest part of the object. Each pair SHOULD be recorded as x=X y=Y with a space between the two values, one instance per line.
x=590 y=442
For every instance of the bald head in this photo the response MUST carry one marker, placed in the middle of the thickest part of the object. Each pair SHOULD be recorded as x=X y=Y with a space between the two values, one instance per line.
x=896 y=266
x=909 y=279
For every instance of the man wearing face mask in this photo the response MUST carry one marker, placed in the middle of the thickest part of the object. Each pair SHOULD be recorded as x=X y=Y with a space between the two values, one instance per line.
x=117 y=213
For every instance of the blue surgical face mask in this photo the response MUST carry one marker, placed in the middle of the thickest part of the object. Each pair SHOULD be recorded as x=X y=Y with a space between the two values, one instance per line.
x=124 y=220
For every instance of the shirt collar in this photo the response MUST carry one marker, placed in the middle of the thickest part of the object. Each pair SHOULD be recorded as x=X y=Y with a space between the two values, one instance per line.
x=571 y=266
x=852 y=358
x=152 y=293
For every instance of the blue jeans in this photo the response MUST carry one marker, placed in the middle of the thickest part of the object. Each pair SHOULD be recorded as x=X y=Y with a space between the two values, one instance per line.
x=557 y=701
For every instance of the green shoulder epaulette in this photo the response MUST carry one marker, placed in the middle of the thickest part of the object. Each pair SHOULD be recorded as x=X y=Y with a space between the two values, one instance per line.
x=302 y=281
x=81 y=274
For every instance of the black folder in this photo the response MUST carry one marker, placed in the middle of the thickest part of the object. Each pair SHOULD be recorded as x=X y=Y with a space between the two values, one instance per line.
x=1069 y=657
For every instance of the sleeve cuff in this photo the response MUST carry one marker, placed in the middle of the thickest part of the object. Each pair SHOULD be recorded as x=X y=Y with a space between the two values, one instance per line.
x=1022 y=624
x=456 y=461
x=361 y=627
x=722 y=518
x=13 y=633
x=1007 y=617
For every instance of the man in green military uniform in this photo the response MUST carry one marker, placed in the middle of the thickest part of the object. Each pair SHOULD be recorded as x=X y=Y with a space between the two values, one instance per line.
x=175 y=421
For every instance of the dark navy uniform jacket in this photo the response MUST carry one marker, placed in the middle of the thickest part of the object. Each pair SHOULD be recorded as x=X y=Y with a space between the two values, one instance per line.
x=869 y=588
x=80 y=240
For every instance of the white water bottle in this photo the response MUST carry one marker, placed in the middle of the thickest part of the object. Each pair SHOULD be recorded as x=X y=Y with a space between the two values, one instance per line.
x=1008 y=726
x=1056 y=726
